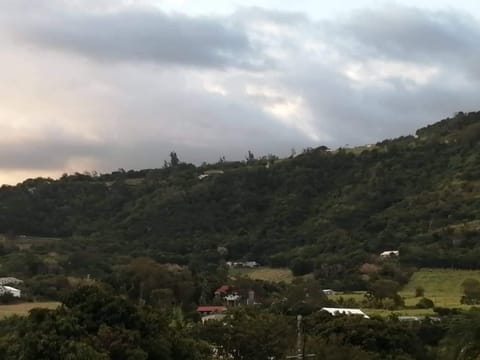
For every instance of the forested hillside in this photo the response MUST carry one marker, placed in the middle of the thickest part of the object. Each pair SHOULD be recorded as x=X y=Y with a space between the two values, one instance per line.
x=323 y=210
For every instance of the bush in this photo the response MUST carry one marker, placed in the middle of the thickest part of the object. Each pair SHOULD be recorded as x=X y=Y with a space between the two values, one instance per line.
x=442 y=311
x=301 y=267
x=425 y=303
x=419 y=291
x=8 y=298
x=471 y=289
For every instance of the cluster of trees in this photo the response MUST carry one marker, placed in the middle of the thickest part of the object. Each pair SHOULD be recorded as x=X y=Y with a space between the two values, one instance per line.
x=94 y=324
x=322 y=211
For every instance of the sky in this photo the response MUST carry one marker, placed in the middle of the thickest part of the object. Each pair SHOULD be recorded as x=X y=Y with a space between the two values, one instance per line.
x=105 y=84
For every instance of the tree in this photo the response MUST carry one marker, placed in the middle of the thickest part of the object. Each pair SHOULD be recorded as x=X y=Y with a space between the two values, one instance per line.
x=382 y=289
x=425 y=303
x=250 y=157
x=301 y=266
x=419 y=291
x=385 y=293
x=471 y=290
x=250 y=335
x=463 y=337
x=174 y=161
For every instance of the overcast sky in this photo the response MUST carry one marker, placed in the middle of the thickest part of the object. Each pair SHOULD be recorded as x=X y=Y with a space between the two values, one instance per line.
x=104 y=84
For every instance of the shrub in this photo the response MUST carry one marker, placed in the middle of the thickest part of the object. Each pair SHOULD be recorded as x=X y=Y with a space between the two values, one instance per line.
x=301 y=267
x=425 y=303
x=419 y=291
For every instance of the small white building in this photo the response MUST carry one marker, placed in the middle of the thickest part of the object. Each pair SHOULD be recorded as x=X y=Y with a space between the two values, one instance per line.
x=10 y=290
x=345 y=311
x=390 y=253
x=329 y=292
x=213 y=317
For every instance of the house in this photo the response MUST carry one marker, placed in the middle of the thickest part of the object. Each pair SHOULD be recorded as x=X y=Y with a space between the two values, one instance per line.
x=329 y=292
x=389 y=253
x=418 y=318
x=344 y=311
x=213 y=172
x=213 y=317
x=210 y=173
x=207 y=310
x=223 y=290
x=10 y=290
x=244 y=264
x=232 y=299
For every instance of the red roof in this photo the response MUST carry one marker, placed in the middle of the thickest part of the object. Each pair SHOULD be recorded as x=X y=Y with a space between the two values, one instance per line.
x=222 y=289
x=203 y=309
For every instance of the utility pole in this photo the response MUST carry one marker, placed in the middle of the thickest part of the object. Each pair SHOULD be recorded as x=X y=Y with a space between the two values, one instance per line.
x=300 y=342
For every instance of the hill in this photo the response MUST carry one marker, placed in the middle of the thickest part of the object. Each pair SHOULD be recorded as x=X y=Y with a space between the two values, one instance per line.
x=323 y=211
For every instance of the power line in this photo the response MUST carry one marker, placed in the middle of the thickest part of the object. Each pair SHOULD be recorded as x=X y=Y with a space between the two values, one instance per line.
x=301 y=342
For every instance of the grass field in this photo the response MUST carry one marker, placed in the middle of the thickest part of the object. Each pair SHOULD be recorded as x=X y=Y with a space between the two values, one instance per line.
x=442 y=286
x=402 y=312
x=265 y=274
x=24 y=308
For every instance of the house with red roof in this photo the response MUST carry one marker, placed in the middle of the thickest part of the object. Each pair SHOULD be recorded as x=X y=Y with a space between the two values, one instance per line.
x=223 y=290
x=210 y=309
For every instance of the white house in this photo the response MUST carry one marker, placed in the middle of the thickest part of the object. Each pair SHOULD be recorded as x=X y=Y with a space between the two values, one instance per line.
x=329 y=292
x=344 y=311
x=10 y=290
x=213 y=317
x=390 y=253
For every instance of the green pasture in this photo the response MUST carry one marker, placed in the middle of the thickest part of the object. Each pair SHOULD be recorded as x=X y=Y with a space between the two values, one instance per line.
x=264 y=273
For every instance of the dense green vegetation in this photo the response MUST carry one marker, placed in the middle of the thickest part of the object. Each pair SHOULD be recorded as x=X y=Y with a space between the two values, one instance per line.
x=132 y=253
x=94 y=324
x=322 y=211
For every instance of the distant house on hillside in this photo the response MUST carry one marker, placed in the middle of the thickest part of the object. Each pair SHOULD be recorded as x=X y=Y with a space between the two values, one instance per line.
x=418 y=318
x=329 y=292
x=232 y=299
x=223 y=290
x=389 y=253
x=10 y=290
x=243 y=264
x=213 y=172
x=207 y=310
x=213 y=317
x=344 y=311
x=210 y=173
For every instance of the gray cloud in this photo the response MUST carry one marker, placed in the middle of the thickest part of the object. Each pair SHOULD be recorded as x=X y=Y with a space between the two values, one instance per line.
x=138 y=35
x=408 y=33
x=258 y=79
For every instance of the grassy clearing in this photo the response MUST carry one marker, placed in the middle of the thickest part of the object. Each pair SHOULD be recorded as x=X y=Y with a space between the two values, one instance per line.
x=24 y=242
x=23 y=308
x=403 y=312
x=358 y=296
x=265 y=274
x=442 y=286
